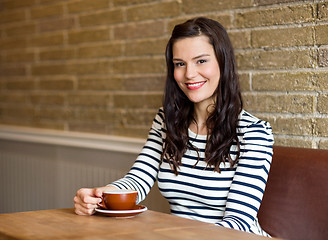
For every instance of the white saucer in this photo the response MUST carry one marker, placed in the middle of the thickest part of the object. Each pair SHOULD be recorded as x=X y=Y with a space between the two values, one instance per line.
x=122 y=213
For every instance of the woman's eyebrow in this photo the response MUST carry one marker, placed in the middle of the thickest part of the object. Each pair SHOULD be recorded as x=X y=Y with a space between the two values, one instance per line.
x=199 y=56
x=202 y=55
x=177 y=59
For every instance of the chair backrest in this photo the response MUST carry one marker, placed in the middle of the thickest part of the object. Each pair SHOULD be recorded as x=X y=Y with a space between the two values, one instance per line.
x=295 y=202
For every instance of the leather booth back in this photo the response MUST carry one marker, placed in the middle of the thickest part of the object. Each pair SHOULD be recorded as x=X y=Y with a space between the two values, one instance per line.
x=295 y=202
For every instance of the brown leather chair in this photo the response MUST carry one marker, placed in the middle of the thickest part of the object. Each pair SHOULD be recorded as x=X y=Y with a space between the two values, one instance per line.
x=295 y=202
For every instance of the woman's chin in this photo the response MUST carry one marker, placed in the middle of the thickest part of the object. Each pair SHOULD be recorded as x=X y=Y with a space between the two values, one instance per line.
x=199 y=99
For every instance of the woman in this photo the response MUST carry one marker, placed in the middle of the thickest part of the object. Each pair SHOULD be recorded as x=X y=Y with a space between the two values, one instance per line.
x=210 y=157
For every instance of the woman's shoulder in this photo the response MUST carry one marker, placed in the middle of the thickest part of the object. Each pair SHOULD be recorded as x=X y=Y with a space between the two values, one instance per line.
x=249 y=121
x=255 y=133
x=160 y=115
x=158 y=121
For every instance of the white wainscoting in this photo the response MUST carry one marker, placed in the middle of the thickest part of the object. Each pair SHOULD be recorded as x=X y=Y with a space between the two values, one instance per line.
x=43 y=169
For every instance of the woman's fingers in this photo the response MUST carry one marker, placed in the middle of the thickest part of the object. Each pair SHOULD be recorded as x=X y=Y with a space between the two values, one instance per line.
x=80 y=210
x=99 y=191
x=85 y=201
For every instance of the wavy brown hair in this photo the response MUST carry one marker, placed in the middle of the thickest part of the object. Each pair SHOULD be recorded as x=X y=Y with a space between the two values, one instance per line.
x=178 y=109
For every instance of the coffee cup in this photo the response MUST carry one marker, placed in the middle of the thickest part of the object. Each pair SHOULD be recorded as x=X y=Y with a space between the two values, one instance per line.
x=119 y=199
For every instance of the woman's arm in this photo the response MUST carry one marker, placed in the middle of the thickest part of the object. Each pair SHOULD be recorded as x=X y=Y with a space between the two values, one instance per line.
x=143 y=173
x=250 y=179
x=141 y=176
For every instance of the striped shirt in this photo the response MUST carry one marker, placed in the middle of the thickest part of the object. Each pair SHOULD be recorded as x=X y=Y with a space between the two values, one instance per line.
x=231 y=198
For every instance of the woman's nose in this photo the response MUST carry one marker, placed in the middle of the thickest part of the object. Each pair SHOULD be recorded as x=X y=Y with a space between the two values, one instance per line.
x=190 y=71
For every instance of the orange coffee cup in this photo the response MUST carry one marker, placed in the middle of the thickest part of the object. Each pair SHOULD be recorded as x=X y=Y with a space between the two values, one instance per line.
x=120 y=199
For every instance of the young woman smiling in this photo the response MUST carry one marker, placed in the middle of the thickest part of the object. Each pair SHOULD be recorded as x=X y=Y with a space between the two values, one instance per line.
x=210 y=157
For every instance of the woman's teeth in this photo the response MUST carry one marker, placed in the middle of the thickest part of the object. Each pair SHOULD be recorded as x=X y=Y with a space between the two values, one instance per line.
x=194 y=84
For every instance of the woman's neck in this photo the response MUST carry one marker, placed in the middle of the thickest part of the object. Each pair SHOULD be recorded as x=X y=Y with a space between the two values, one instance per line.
x=201 y=113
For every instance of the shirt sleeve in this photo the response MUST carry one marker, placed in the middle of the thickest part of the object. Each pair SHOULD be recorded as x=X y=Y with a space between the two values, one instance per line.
x=247 y=188
x=144 y=171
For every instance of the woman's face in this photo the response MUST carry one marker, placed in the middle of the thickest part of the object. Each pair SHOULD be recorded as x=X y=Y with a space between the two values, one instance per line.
x=196 y=69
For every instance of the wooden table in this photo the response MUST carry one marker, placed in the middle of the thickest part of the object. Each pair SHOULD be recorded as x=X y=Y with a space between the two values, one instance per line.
x=65 y=224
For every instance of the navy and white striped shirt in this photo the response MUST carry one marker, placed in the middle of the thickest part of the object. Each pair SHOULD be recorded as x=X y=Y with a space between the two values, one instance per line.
x=231 y=198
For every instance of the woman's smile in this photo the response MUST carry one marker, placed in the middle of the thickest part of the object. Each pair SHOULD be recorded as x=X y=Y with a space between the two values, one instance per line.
x=195 y=85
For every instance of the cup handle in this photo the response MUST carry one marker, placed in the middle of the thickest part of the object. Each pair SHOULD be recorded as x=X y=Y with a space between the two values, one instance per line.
x=102 y=204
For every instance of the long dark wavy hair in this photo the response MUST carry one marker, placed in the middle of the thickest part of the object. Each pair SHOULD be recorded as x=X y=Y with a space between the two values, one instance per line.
x=179 y=110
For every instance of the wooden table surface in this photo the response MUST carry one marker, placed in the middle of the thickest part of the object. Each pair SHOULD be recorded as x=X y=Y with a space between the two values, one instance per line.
x=65 y=224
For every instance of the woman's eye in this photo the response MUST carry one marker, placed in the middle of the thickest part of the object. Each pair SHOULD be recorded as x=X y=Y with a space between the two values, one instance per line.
x=179 y=64
x=202 y=61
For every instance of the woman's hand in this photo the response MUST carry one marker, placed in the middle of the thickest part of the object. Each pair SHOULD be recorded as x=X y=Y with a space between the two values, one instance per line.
x=86 y=199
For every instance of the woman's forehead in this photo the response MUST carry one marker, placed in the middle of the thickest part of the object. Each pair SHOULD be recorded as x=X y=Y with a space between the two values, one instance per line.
x=192 y=46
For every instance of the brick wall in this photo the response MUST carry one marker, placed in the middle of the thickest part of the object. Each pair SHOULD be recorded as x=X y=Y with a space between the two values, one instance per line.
x=98 y=65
